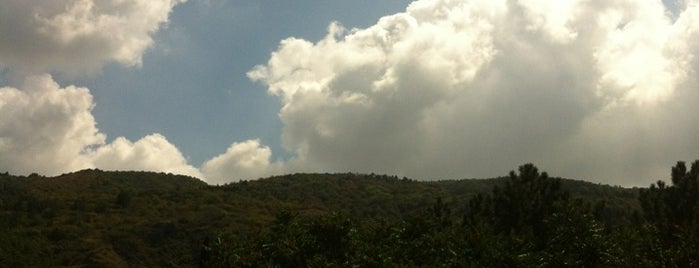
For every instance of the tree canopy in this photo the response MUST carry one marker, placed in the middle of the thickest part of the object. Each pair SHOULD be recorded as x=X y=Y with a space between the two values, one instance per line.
x=97 y=218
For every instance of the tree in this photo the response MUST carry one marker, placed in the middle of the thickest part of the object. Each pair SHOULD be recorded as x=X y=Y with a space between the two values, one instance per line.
x=672 y=211
x=526 y=200
x=123 y=199
x=531 y=221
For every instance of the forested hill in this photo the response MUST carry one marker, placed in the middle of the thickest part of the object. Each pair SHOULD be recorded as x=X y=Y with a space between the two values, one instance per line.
x=104 y=218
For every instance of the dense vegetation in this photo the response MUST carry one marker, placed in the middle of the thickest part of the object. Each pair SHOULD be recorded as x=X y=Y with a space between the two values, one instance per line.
x=97 y=218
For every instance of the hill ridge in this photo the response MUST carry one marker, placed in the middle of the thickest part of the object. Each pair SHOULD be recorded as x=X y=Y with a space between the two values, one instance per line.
x=142 y=218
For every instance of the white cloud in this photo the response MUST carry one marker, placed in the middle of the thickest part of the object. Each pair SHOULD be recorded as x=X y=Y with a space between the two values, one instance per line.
x=44 y=128
x=451 y=89
x=151 y=153
x=640 y=58
x=77 y=36
x=599 y=90
x=244 y=160
x=51 y=130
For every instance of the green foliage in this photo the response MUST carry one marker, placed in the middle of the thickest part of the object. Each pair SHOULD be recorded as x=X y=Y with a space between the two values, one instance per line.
x=672 y=212
x=525 y=200
x=527 y=221
x=123 y=199
x=96 y=218
x=14 y=249
x=538 y=224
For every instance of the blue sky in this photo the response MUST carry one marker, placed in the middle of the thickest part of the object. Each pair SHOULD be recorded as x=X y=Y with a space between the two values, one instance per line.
x=192 y=86
x=431 y=89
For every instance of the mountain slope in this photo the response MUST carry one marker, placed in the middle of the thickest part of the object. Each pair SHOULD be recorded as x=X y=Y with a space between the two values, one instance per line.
x=155 y=219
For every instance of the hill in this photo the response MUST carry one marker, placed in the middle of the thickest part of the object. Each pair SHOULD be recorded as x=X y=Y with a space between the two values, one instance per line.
x=99 y=218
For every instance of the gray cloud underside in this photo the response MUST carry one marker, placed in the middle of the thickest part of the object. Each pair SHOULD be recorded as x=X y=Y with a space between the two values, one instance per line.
x=601 y=90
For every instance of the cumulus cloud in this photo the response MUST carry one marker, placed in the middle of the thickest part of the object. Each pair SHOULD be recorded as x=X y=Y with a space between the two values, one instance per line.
x=77 y=36
x=50 y=130
x=45 y=128
x=598 y=90
x=151 y=153
x=242 y=160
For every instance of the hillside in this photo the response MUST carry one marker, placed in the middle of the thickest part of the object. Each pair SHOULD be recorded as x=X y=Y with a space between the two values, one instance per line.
x=103 y=218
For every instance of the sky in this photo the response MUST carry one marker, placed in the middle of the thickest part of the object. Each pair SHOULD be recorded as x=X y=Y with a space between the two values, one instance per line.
x=604 y=91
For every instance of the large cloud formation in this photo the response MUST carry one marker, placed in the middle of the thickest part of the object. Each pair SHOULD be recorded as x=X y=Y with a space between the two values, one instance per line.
x=599 y=90
x=48 y=129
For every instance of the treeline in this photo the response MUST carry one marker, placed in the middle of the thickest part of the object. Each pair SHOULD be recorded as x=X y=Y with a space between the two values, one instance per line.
x=527 y=221
x=96 y=218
